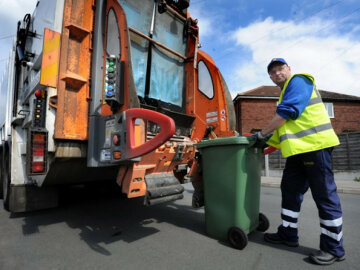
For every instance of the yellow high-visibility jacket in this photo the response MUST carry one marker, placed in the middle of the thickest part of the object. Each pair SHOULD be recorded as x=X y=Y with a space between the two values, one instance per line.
x=311 y=131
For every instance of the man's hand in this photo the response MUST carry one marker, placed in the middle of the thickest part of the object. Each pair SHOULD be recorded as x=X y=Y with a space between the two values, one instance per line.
x=260 y=138
x=258 y=135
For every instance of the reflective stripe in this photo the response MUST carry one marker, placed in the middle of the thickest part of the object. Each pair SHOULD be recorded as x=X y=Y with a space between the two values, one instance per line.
x=315 y=101
x=331 y=223
x=306 y=132
x=289 y=224
x=335 y=236
x=290 y=213
x=317 y=91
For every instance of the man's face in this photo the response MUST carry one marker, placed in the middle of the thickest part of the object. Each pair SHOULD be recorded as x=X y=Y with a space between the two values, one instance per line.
x=279 y=73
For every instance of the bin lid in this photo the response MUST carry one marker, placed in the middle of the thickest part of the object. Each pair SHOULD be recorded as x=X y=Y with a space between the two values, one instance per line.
x=226 y=141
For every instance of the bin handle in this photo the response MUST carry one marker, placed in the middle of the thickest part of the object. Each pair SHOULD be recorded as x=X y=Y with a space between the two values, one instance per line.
x=268 y=150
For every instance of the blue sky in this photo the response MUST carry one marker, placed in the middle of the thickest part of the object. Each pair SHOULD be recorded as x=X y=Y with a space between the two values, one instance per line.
x=319 y=37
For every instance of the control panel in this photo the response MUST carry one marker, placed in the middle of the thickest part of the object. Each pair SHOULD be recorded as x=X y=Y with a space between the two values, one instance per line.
x=114 y=82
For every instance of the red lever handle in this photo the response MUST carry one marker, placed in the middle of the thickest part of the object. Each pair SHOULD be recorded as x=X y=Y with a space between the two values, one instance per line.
x=166 y=123
x=269 y=150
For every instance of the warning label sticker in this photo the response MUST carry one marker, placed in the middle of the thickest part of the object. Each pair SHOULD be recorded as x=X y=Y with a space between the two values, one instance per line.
x=211 y=114
x=211 y=120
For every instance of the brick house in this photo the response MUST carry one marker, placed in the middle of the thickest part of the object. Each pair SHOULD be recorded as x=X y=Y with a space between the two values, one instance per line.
x=255 y=108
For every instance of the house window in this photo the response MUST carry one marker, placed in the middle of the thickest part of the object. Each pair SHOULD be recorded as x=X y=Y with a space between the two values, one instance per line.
x=330 y=109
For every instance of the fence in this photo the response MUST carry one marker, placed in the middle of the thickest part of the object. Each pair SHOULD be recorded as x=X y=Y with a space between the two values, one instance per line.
x=346 y=156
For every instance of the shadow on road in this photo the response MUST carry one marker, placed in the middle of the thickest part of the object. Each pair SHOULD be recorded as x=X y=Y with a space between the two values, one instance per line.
x=258 y=238
x=104 y=215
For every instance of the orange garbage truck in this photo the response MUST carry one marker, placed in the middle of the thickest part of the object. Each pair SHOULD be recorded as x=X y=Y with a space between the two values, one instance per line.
x=98 y=90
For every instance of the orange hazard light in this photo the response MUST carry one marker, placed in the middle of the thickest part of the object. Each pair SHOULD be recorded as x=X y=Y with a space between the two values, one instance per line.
x=117 y=155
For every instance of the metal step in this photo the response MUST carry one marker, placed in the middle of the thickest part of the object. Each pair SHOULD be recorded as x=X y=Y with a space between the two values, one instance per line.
x=162 y=187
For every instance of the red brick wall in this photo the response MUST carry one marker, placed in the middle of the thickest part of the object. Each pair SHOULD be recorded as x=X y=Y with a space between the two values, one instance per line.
x=346 y=117
x=254 y=114
x=257 y=113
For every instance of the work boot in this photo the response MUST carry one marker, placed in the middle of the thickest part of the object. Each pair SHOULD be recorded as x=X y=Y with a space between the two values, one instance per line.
x=324 y=258
x=276 y=239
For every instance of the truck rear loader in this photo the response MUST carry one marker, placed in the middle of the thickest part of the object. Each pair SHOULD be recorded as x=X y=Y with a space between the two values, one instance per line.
x=98 y=90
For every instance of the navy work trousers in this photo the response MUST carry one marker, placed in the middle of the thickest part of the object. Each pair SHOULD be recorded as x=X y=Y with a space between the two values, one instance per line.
x=314 y=170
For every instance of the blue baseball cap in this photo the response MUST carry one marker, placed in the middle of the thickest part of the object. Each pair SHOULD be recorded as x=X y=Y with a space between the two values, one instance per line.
x=275 y=60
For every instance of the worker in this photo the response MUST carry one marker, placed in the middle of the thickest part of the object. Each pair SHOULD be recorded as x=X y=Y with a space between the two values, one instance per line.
x=303 y=132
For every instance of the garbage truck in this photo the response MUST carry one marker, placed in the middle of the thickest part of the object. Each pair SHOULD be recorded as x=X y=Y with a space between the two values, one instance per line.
x=107 y=90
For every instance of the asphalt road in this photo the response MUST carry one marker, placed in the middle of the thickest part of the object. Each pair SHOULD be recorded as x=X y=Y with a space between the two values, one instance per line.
x=99 y=229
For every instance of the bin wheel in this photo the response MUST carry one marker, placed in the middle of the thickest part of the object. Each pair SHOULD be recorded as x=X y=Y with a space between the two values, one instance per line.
x=264 y=223
x=237 y=237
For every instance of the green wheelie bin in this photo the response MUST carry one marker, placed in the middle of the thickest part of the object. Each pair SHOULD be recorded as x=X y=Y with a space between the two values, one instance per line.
x=231 y=169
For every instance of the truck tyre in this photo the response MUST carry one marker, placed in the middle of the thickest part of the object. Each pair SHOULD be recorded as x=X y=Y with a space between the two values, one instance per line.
x=1 y=173
x=237 y=237
x=6 y=178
